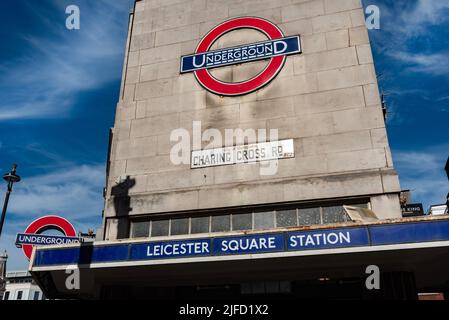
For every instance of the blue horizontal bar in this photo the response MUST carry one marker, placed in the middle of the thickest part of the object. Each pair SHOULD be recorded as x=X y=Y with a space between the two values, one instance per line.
x=241 y=54
x=409 y=232
x=374 y=235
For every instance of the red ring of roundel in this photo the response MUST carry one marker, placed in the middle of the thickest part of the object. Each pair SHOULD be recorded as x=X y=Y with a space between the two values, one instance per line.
x=233 y=89
x=48 y=221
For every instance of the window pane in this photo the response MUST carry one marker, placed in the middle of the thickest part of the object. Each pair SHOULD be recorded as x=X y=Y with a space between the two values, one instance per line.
x=179 y=226
x=286 y=218
x=221 y=223
x=140 y=229
x=200 y=225
x=308 y=217
x=36 y=295
x=6 y=297
x=242 y=221
x=159 y=228
x=333 y=214
x=263 y=220
x=19 y=295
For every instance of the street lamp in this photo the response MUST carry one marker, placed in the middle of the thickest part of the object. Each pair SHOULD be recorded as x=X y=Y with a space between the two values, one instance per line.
x=10 y=178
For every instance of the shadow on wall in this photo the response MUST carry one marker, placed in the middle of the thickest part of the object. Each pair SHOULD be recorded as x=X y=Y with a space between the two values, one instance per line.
x=122 y=205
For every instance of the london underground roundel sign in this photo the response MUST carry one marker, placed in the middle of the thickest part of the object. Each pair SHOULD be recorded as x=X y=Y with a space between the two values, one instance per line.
x=33 y=237
x=276 y=49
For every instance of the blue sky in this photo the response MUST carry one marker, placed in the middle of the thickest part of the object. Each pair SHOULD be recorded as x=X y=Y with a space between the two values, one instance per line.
x=59 y=89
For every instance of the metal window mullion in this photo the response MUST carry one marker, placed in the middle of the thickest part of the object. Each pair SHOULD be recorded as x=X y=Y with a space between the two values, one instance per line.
x=132 y=227
x=321 y=216
x=253 y=220
x=297 y=217
x=275 y=219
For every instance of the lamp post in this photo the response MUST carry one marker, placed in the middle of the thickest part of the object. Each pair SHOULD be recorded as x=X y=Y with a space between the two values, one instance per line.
x=10 y=178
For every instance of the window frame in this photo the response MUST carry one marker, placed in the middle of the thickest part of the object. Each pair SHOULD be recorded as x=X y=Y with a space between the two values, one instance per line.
x=231 y=213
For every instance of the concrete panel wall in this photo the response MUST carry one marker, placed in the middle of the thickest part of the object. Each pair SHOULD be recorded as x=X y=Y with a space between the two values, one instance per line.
x=326 y=99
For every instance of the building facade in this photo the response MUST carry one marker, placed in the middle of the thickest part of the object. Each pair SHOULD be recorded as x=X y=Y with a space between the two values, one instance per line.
x=285 y=186
x=325 y=99
x=21 y=286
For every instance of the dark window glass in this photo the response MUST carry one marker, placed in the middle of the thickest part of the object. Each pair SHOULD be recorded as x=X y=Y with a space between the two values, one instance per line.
x=221 y=223
x=36 y=295
x=19 y=295
x=309 y=216
x=333 y=214
x=285 y=287
x=199 y=225
x=264 y=220
x=272 y=286
x=6 y=296
x=140 y=229
x=159 y=228
x=286 y=218
x=179 y=226
x=242 y=221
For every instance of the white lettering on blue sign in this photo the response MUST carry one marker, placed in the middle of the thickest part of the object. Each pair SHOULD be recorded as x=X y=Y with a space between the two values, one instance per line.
x=248 y=244
x=319 y=239
x=36 y=239
x=246 y=53
x=176 y=249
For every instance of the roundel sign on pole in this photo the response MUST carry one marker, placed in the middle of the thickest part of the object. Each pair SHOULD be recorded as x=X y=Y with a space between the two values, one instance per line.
x=33 y=234
x=275 y=49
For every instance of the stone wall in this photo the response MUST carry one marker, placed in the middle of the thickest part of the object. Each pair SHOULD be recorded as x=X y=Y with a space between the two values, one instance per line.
x=326 y=99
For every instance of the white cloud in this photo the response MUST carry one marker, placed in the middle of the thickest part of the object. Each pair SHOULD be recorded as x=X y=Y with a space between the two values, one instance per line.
x=44 y=82
x=75 y=193
x=16 y=259
x=435 y=64
x=428 y=12
x=407 y=19
x=423 y=173
x=405 y=23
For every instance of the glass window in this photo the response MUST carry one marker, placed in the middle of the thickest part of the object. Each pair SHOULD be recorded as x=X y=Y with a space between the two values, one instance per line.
x=221 y=223
x=333 y=214
x=179 y=226
x=264 y=220
x=6 y=296
x=140 y=229
x=36 y=295
x=199 y=225
x=19 y=295
x=286 y=218
x=242 y=221
x=309 y=216
x=159 y=228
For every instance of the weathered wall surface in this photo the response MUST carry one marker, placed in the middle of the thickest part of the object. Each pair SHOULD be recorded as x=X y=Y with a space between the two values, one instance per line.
x=326 y=99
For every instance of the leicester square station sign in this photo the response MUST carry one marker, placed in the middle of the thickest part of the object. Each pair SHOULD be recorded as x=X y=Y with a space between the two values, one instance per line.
x=33 y=237
x=276 y=49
